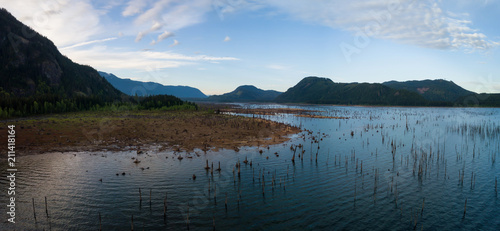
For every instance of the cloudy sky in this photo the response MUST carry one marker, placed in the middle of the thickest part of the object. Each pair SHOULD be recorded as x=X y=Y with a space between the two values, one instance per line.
x=217 y=45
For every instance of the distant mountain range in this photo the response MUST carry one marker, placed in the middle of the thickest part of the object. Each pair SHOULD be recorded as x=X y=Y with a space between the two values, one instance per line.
x=319 y=90
x=32 y=66
x=132 y=87
x=325 y=91
x=246 y=93
x=433 y=90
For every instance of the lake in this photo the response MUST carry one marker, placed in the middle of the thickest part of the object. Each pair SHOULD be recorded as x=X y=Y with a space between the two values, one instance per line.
x=361 y=168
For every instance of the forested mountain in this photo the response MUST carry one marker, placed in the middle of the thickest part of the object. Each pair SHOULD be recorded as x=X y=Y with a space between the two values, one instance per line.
x=479 y=100
x=246 y=93
x=433 y=90
x=132 y=87
x=325 y=91
x=36 y=77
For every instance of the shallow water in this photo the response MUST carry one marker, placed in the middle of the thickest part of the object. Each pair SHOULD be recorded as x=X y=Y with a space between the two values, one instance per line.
x=331 y=193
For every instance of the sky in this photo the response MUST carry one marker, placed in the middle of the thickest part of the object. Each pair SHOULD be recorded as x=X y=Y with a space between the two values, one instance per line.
x=218 y=45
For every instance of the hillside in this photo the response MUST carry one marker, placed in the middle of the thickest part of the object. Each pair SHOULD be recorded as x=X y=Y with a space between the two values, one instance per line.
x=132 y=87
x=479 y=100
x=325 y=91
x=246 y=93
x=433 y=90
x=31 y=64
x=32 y=69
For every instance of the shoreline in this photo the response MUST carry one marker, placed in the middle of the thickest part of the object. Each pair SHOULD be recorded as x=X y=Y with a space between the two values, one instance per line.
x=180 y=131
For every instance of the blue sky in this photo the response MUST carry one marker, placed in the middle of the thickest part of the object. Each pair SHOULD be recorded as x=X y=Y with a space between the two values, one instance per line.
x=217 y=45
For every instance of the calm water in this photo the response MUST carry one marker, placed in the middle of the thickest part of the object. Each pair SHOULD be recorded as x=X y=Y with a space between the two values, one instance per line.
x=355 y=183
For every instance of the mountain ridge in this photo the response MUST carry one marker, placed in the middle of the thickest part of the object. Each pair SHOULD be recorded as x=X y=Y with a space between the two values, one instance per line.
x=133 y=87
x=320 y=90
x=246 y=93
x=32 y=64
x=37 y=78
x=433 y=90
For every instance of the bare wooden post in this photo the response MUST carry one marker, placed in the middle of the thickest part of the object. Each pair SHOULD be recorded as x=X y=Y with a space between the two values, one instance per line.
x=465 y=207
x=140 y=199
x=165 y=206
x=225 y=203
x=150 y=198
x=46 y=210
x=132 y=220
x=34 y=213
x=263 y=183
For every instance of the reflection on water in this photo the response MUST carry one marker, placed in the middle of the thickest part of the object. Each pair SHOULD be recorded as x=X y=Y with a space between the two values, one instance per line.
x=382 y=168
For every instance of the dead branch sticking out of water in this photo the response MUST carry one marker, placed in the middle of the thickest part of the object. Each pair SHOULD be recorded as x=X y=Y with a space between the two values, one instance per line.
x=34 y=213
x=465 y=208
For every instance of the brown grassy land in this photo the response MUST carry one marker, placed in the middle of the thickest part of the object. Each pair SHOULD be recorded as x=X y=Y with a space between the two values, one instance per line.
x=122 y=130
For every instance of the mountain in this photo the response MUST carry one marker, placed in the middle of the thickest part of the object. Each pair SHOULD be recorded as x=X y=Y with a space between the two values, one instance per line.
x=433 y=90
x=31 y=67
x=246 y=93
x=132 y=87
x=325 y=91
x=479 y=100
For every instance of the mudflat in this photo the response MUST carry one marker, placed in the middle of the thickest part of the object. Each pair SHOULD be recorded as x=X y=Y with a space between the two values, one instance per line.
x=182 y=131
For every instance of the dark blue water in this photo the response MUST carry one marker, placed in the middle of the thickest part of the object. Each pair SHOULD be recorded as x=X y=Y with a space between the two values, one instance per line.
x=433 y=148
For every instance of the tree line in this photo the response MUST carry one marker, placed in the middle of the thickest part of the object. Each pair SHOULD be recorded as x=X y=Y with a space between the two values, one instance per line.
x=15 y=106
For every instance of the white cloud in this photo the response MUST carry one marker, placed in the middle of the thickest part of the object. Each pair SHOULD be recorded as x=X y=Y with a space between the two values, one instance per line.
x=74 y=23
x=162 y=36
x=103 y=58
x=277 y=67
x=165 y=35
x=139 y=36
x=65 y=22
x=222 y=7
x=175 y=43
x=421 y=23
x=156 y=26
x=134 y=7
x=89 y=42
x=105 y=6
x=171 y=15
